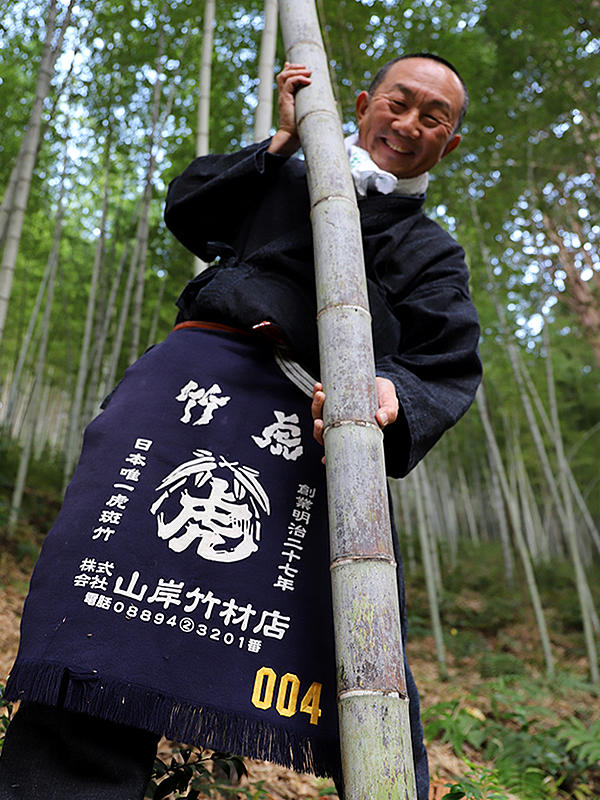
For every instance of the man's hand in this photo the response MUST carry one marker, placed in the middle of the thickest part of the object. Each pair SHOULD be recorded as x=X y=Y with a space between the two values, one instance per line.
x=388 y=402
x=291 y=78
x=386 y=413
x=317 y=412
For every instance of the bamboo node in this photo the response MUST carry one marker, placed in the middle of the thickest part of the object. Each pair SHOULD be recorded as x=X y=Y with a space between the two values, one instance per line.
x=364 y=423
x=340 y=562
x=372 y=693
x=323 y=111
x=343 y=197
x=341 y=306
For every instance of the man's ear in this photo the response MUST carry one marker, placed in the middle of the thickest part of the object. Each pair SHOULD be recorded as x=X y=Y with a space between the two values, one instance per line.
x=362 y=101
x=451 y=145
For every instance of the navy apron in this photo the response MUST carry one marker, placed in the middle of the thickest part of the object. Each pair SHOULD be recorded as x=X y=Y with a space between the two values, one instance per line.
x=184 y=588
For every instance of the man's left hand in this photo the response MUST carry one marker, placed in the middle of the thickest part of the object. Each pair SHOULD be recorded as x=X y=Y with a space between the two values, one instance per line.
x=386 y=413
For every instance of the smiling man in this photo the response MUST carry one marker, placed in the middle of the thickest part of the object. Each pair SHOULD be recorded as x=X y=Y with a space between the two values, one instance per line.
x=408 y=120
x=142 y=620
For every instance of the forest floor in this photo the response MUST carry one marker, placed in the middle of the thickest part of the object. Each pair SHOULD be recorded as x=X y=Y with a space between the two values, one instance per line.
x=464 y=683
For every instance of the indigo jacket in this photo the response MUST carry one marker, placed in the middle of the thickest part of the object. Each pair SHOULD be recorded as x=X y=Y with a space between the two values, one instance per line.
x=250 y=210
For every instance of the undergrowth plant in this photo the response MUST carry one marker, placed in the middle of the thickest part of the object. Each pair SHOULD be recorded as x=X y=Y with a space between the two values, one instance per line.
x=192 y=772
x=532 y=759
x=479 y=783
x=6 y=710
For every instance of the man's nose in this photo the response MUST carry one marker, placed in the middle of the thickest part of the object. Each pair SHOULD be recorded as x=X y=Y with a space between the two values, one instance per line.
x=407 y=123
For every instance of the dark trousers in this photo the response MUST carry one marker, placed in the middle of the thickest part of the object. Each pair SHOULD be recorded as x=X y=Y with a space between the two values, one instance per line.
x=53 y=754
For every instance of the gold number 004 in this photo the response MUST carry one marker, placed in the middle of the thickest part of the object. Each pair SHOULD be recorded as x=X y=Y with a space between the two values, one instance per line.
x=286 y=703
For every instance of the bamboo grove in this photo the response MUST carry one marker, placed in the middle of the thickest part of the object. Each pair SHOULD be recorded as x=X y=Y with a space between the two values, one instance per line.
x=103 y=103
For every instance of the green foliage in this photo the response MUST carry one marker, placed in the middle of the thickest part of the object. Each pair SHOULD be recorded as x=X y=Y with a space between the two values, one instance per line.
x=192 y=772
x=41 y=501
x=6 y=710
x=534 y=760
x=479 y=783
x=493 y=665
x=490 y=616
x=583 y=739
x=531 y=758
x=452 y=723
x=464 y=643
x=328 y=791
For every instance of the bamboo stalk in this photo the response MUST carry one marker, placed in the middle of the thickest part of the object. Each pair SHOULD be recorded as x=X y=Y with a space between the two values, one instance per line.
x=37 y=393
x=372 y=698
x=264 y=109
x=203 y=119
x=27 y=158
x=513 y=511
x=427 y=548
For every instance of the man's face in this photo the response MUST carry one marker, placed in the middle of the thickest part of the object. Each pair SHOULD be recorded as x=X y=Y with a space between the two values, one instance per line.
x=407 y=126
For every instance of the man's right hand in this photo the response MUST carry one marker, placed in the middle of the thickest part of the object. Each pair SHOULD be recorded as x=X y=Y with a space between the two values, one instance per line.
x=291 y=78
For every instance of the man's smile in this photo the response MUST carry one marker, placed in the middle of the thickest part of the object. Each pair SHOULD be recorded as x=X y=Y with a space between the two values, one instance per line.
x=397 y=148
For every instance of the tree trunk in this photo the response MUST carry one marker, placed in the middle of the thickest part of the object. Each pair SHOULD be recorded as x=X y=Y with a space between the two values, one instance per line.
x=571 y=531
x=432 y=522
x=548 y=427
x=23 y=184
x=264 y=110
x=500 y=509
x=98 y=385
x=511 y=504
x=140 y=273
x=32 y=413
x=564 y=508
x=126 y=300
x=156 y=315
x=9 y=194
x=143 y=232
x=202 y=133
x=427 y=547
x=25 y=346
x=374 y=723
x=75 y=416
x=404 y=521
x=564 y=511
x=468 y=505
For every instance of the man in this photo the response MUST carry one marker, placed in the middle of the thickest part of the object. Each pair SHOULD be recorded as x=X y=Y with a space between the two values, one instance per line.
x=190 y=597
x=407 y=122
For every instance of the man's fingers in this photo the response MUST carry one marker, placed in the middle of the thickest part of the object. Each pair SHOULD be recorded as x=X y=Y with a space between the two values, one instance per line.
x=292 y=76
x=318 y=431
x=317 y=412
x=385 y=415
x=388 y=402
x=317 y=401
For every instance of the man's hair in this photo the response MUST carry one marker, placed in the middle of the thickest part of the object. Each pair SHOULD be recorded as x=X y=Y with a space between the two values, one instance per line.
x=382 y=72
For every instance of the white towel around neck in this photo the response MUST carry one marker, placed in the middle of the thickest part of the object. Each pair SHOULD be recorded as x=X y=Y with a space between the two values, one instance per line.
x=368 y=176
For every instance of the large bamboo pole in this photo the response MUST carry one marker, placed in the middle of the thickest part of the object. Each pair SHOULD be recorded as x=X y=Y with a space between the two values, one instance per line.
x=372 y=698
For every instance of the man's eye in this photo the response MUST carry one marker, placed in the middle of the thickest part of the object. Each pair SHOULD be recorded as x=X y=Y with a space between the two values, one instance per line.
x=397 y=105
